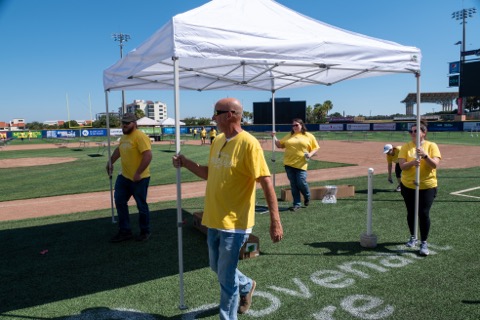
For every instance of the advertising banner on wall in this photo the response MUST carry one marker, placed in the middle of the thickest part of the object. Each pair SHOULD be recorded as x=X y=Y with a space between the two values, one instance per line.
x=94 y=132
x=58 y=134
x=171 y=130
x=331 y=127
x=358 y=126
x=27 y=134
x=444 y=126
x=384 y=126
x=471 y=126
x=116 y=132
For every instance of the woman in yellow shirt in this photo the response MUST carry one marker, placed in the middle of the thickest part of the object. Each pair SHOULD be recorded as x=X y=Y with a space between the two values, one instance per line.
x=427 y=156
x=300 y=146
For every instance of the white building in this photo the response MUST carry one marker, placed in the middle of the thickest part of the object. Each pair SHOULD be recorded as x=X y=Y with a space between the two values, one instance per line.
x=154 y=110
x=17 y=124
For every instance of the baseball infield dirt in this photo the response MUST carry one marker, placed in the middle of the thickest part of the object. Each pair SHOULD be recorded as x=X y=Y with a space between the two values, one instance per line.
x=363 y=154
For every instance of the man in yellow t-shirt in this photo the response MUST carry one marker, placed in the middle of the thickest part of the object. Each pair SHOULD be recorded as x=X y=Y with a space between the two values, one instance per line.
x=392 y=157
x=135 y=152
x=236 y=163
x=213 y=134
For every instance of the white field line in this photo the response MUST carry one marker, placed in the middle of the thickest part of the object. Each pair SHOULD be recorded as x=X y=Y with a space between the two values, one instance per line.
x=459 y=193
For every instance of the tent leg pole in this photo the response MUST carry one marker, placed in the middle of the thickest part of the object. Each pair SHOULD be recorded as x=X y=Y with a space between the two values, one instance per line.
x=109 y=157
x=181 y=305
x=273 y=138
x=417 y=169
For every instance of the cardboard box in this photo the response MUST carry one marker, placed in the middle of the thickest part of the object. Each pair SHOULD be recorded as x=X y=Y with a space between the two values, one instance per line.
x=250 y=249
x=317 y=193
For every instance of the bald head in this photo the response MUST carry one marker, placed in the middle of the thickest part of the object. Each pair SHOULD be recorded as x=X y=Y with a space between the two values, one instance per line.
x=230 y=104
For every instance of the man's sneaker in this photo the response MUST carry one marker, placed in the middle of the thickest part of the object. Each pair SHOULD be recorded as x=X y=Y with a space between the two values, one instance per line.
x=295 y=208
x=122 y=236
x=424 y=249
x=307 y=202
x=398 y=189
x=412 y=242
x=246 y=300
x=144 y=236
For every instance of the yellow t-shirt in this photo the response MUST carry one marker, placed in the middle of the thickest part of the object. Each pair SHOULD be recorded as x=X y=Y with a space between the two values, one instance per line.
x=203 y=133
x=131 y=148
x=428 y=175
x=393 y=158
x=213 y=133
x=233 y=169
x=295 y=147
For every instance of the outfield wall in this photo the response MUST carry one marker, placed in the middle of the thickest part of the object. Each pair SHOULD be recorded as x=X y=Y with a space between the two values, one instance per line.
x=184 y=130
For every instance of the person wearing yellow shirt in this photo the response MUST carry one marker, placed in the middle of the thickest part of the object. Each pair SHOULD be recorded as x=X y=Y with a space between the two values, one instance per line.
x=203 y=135
x=213 y=134
x=135 y=152
x=427 y=157
x=236 y=163
x=299 y=146
x=392 y=157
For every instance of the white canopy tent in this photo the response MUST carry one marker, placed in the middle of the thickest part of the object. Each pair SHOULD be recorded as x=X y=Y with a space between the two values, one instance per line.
x=145 y=121
x=170 y=122
x=251 y=45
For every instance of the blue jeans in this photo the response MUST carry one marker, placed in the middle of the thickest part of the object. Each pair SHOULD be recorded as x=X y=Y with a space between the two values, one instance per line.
x=298 y=184
x=224 y=250
x=124 y=190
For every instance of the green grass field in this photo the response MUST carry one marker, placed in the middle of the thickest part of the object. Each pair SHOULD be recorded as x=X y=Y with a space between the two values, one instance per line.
x=88 y=174
x=63 y=267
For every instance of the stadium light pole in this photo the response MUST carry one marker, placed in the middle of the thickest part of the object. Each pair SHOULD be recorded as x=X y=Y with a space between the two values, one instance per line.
x=121 y=37
x=463 y=15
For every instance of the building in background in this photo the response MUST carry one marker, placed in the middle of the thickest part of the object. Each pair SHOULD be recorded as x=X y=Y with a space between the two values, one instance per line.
x=17 y=124
x=154 y=110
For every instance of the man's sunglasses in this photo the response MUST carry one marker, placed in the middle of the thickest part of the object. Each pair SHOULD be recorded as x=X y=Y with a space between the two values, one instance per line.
x=219 y=112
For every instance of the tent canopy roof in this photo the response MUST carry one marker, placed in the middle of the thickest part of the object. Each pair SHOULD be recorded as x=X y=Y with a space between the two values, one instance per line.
x=254 y=45
x=145 y=121
x=170 y=122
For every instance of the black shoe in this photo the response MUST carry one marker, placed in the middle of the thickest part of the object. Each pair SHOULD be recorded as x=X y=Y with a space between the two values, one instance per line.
x=122 y=236
x=295 y=208
x=144 y=236
x=307 y=202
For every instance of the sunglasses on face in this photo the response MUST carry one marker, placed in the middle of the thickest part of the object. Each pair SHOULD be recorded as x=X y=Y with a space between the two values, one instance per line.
x=296 y=125
x=126 y=123
x=219 y=112
x=415 y=130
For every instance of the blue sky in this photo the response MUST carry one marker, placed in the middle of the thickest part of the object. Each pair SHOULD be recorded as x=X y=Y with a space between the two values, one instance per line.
x=52 y=48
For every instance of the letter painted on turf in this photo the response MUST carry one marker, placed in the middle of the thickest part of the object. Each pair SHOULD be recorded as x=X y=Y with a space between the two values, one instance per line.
x=352 y=305
x=274 y=305
x=332 y=279
x=392 y=260
x=347 y=267
x=303 y=291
